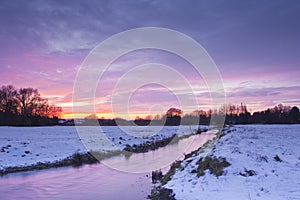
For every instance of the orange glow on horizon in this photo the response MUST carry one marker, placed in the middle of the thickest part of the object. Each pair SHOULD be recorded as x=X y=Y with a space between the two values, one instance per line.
x=254 y=107
x=83 y=115
x=107 y=115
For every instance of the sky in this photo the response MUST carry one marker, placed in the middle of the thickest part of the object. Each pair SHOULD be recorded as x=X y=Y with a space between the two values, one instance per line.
x=254 y=44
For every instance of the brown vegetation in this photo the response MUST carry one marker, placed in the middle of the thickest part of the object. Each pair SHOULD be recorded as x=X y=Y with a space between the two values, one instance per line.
x=214 y=165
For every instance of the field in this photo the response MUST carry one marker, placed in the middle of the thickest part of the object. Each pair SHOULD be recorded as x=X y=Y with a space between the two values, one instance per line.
x=264 y=163
x=26 y=146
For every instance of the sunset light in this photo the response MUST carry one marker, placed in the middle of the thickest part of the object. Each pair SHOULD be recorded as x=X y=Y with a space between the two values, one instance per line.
x=258 y=74
x=150 y=99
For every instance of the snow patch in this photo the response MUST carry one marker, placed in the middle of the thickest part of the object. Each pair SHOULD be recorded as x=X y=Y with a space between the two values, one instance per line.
x=265 y=164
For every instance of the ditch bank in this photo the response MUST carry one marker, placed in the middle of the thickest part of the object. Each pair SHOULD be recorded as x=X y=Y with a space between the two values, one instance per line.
x=214 y=165
x=93 y=157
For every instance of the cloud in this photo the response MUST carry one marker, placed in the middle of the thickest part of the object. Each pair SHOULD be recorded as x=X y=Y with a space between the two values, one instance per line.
x=254 y=44
x=263 y=92
x=260 y=98
x=79 y=25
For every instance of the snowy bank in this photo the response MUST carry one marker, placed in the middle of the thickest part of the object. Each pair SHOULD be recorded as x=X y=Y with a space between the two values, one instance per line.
x=37 y=146
x=264 y=164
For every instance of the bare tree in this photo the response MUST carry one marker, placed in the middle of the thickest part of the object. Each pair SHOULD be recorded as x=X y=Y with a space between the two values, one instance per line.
x=8 y=101
x=32 y=104
x=172 y=112
x=29 y=100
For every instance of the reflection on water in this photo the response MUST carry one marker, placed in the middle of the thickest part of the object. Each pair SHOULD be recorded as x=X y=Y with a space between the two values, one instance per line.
x=87 y=182
x=160 y=158
x=97 y=181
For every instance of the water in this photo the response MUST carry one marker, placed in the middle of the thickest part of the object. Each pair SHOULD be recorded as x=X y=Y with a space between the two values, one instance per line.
x=98 y=181
x=87 y=182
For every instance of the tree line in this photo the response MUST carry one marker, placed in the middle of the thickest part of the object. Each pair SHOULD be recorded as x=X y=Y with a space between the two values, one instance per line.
x=234 y=114
x=26 y=107
x=239 y=114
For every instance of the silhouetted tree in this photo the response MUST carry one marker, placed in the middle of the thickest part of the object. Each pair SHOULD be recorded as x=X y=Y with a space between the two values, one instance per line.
x=294 y=114
x=8 y=101
x=92 y=116
x=30 y=101
x=26 y=107
x=173 y=117
x=172 y=112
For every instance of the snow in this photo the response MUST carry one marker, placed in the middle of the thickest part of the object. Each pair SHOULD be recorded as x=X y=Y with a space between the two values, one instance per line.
x=246 y=147
x=24 y=146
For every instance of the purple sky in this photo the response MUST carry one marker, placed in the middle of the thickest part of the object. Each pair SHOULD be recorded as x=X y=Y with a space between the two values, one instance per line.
x=255 y=44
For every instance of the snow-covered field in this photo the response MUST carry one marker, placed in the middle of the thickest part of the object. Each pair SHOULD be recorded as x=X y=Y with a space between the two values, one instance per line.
x=25 y=146
x=265 y=164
